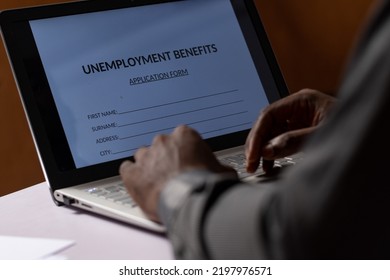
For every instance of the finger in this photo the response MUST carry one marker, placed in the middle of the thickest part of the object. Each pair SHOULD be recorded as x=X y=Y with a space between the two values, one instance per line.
x=140 y=153
x=125 y=167
x=252 y=154
x=286 y=144
x=160 y=139
x=256 y=139
x=126 y=171
x=182 y=131
x=129 y=174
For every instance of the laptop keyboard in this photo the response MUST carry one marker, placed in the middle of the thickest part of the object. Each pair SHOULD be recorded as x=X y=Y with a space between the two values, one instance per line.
x=238 y=162
x=115 y=192
x=118 y=193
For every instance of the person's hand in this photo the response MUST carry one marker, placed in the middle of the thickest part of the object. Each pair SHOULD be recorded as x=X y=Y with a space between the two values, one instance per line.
x=168 y=156
x=283 y=126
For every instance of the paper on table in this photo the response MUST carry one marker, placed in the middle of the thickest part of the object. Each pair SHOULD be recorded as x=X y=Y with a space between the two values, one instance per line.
x=25 y=248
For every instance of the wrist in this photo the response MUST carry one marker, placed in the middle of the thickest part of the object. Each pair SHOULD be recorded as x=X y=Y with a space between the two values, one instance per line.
x=177 y=191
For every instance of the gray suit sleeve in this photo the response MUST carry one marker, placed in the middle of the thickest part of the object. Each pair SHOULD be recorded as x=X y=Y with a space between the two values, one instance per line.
x=204 y=212
x=184 y=205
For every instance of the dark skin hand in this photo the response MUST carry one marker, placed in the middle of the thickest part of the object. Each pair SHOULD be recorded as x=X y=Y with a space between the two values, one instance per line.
x=279 y=131
x=283 y=126
x=168 y=156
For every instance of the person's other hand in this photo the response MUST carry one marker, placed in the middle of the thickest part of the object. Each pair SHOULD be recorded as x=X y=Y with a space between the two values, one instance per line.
x=167 y=157
x=283 y=126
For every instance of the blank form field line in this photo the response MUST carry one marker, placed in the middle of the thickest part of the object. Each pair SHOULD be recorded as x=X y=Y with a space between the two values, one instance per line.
x=200 y=121
x=179 y=101
x=218 y=118
x=146 y=133
x=125 y=151
x=183 y=113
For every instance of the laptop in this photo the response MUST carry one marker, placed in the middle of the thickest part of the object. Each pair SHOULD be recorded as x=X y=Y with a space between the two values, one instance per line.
x=99 y=79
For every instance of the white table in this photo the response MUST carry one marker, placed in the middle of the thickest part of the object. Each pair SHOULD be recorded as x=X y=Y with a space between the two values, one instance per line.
x=32 y=213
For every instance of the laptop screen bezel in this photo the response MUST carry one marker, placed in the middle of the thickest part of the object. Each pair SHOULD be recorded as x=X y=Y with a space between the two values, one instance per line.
x=51 y=144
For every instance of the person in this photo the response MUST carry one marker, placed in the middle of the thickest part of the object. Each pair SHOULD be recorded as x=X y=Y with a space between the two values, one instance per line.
x=332 y=205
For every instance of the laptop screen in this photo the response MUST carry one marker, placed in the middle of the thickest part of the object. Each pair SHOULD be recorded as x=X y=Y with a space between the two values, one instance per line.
x=110 y=80
x=119 y=77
